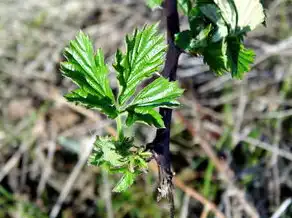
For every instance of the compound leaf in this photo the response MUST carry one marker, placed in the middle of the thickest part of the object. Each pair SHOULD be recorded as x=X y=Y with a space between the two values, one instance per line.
x=144 y=56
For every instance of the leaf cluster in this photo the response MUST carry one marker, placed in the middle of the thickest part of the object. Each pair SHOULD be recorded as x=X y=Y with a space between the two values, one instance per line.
x=120 y=157
x=144 y=56
x=217 y=30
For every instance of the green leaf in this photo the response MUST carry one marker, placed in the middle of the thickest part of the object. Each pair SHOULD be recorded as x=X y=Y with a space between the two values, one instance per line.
x=88 y=71
x=144 y=56
x=154 y=3
x=217 y=28
x=212 y=12
x=125 y=182
x=103 y=104
x=215 y=55
x=183 y=40
x=120 y=156
x=229 y=55
x=159 y=93
x=193 y=43
x=240 y=58
x=185 y=6
x=145 y=115
x=241 y=15
x=105 y=153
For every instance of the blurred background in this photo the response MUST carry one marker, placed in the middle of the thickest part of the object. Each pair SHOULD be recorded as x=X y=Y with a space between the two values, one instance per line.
x=230 y=142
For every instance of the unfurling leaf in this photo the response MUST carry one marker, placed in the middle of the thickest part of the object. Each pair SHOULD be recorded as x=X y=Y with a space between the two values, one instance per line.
x=119 y=157
x=105 y=152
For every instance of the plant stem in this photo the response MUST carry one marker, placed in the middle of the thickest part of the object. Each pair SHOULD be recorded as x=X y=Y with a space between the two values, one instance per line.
x=120 y=134
x=162 y=139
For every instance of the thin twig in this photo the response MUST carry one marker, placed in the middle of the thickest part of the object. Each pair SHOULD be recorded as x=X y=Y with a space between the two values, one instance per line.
x=185 y=207
x=254 y=142
x=282 y=208
x=16 y=157
x=194 y=194
x=48 y=162
x=72 y=178
x=107 y=195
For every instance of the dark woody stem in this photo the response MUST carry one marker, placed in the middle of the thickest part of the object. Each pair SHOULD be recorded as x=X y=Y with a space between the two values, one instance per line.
x=162 y=138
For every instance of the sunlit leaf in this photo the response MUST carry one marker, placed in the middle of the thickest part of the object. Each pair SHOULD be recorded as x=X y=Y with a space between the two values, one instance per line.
x=144 y=56
x=88 y=71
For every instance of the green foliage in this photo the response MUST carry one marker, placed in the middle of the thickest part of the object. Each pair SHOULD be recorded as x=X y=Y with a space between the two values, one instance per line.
x=217 y=29
x=144 y=56
x=145 y=51
x=119 y=157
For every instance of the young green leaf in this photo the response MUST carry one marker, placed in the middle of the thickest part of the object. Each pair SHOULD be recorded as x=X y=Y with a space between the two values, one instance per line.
x=105 y=152
x=212 y=12
x=125 y=182
x=119 y=156
x=143 y=57
x=88 y=71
